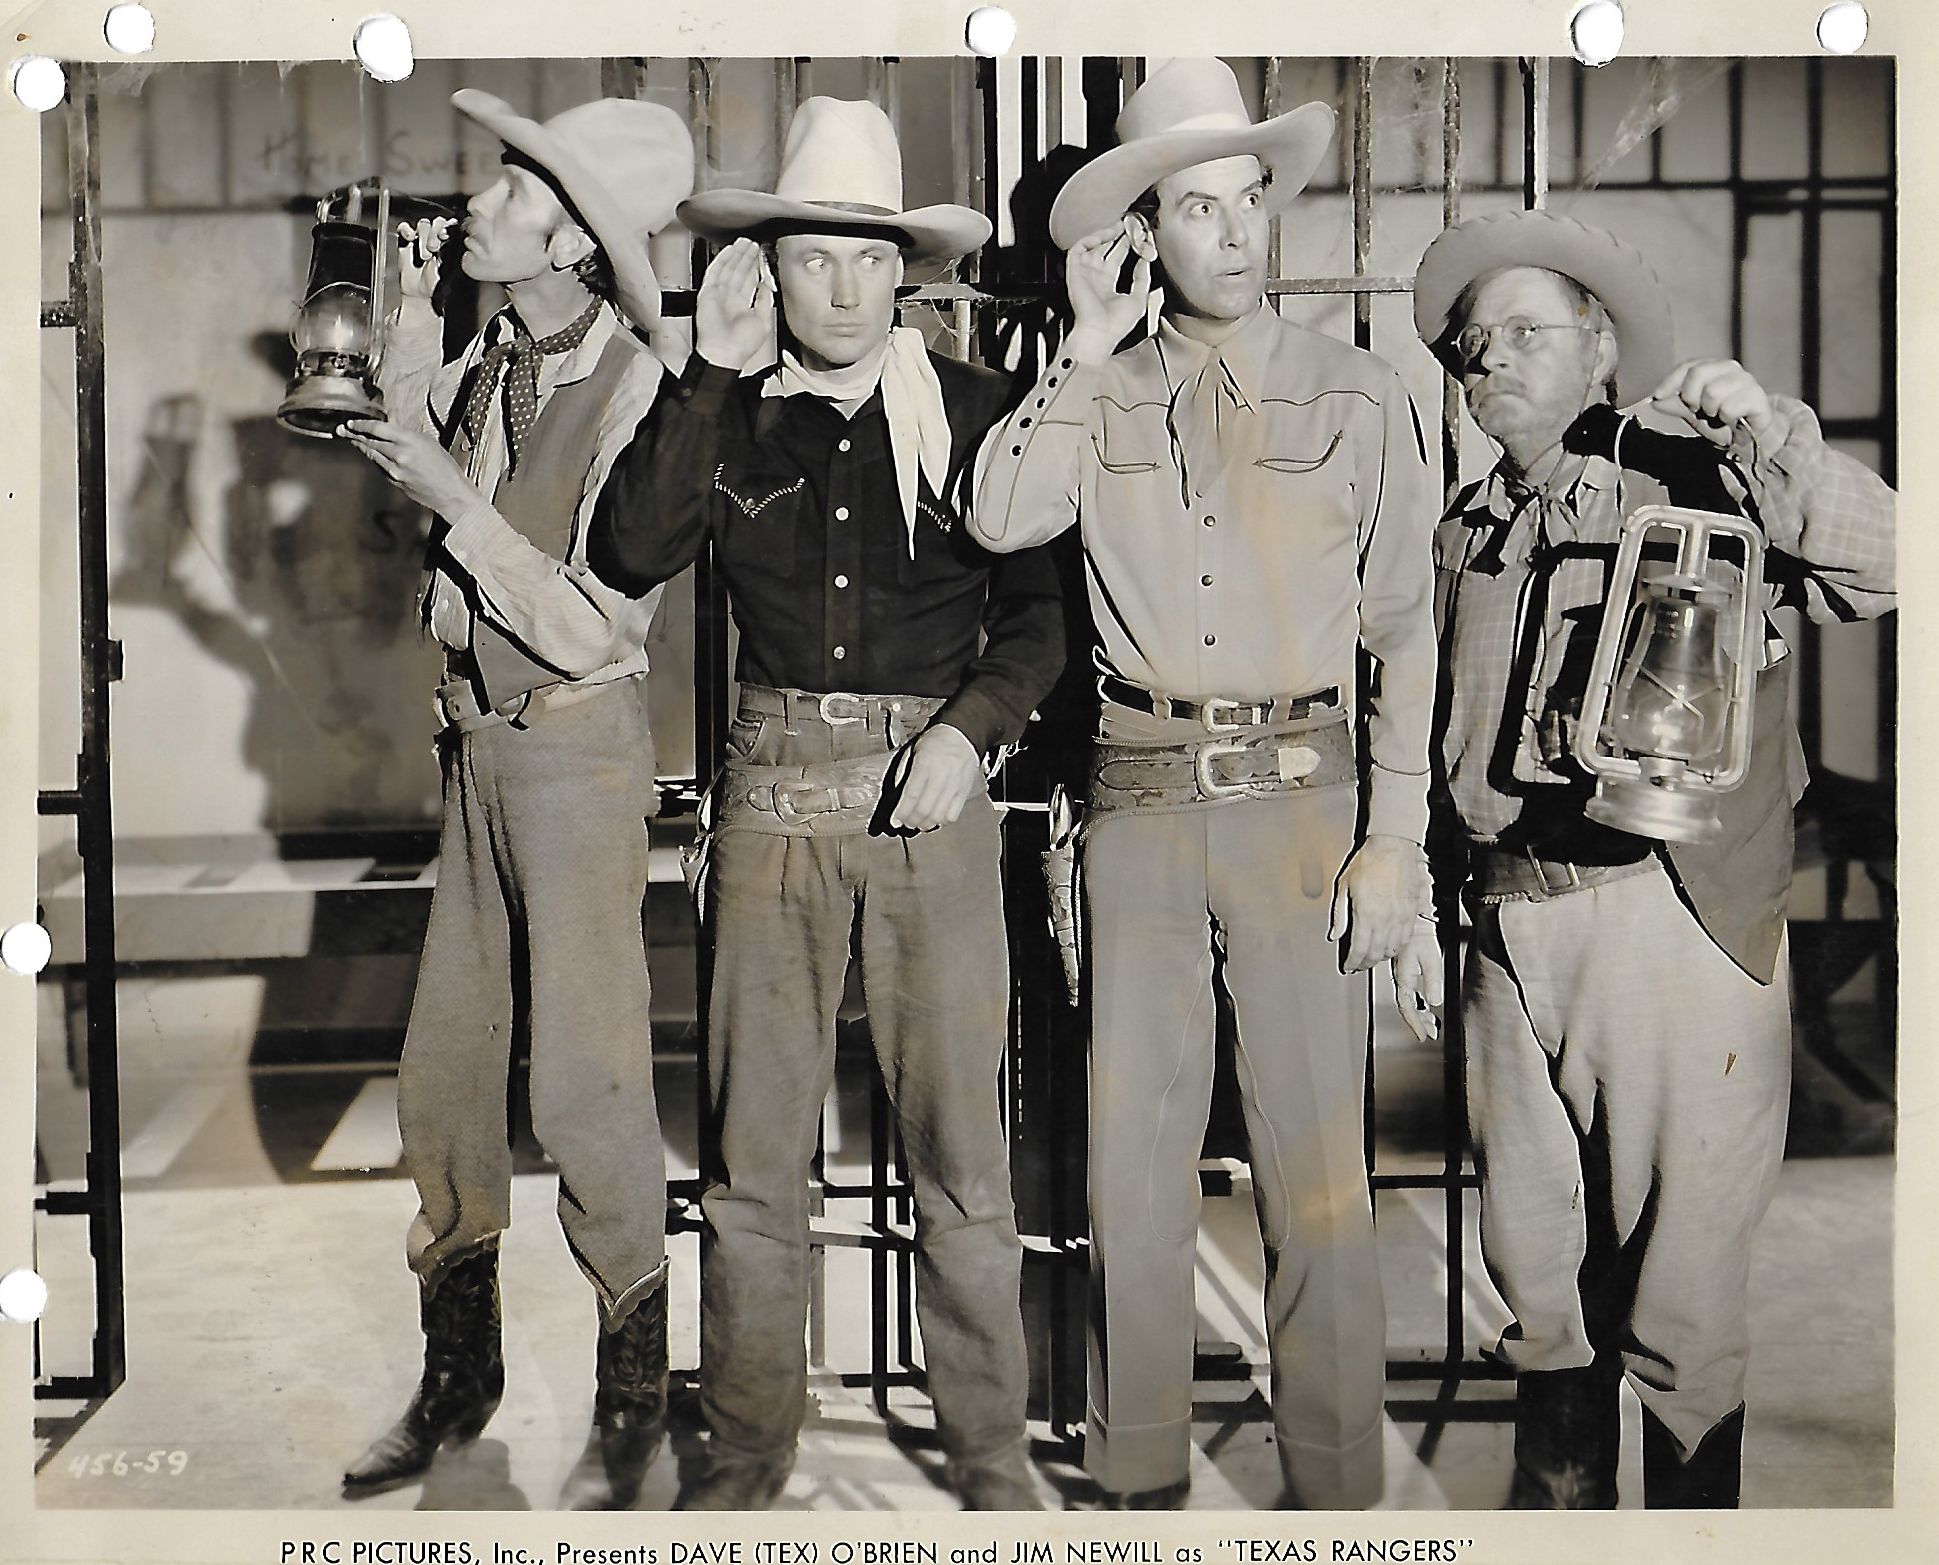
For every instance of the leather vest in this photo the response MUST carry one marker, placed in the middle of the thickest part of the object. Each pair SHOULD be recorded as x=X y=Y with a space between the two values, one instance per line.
x=539 y=500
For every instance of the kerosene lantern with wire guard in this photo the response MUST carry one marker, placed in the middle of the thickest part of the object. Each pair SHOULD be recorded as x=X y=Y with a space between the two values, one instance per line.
x=339 y=331
x=1666 y=719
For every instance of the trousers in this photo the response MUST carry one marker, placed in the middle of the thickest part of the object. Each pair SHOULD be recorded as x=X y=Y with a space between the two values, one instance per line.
x=1628 y=1086
x=927 y=911
x=1174 y=900
x=536 y=937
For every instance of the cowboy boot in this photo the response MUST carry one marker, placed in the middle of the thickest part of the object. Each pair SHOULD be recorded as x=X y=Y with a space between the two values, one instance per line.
x=629 y=1411
x=1568 y=1432
x=1712 y=1477
x=464 y=1374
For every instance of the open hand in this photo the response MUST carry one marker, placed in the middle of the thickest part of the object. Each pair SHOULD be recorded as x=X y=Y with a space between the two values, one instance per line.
x=1104 y=316
x=734 y=314
x=1380 y=892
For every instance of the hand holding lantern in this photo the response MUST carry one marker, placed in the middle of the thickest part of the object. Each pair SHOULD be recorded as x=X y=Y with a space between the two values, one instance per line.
x=1669 y=730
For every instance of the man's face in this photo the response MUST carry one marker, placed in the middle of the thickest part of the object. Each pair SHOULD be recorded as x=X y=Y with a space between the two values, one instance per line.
x=837 y=294
x=1210 y=238
x=515 y=229
x=1526 y=395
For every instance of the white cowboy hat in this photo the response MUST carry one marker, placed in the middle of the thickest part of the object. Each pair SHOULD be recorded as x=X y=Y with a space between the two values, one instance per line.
x=1616 y=273
x=841 y=172
x=1189 y=112
x=623 y=167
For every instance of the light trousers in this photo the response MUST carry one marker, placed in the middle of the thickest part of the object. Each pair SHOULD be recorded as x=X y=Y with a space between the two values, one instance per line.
x=1628 y=1085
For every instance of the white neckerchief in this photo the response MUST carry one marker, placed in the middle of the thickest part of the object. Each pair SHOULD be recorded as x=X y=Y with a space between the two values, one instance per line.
x=912 y=401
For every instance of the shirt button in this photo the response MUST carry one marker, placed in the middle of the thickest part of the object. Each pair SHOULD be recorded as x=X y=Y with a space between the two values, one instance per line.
x=840 y=653
x=1211 y=521
x=841 y=513
x=842 y=581
x=1210 y=641
x=841 y=445
x=1205 y=581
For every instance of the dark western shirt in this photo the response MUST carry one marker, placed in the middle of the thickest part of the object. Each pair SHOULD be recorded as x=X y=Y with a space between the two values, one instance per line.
x=802 y=506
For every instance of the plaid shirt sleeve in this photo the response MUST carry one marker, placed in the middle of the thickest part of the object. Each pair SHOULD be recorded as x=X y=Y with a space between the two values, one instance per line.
x=1827 y=511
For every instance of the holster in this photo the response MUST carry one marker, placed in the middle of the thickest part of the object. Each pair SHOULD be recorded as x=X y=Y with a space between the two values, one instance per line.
x=1060 y=885
x=697 y=857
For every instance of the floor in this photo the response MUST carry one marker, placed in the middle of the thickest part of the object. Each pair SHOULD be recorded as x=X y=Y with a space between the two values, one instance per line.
x=272 y=1324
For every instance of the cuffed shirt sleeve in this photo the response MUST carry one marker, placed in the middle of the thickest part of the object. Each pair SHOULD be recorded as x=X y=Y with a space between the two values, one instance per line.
x=1397 y=620
x=654 y=511
x=1031 y=466
x=1826 y=511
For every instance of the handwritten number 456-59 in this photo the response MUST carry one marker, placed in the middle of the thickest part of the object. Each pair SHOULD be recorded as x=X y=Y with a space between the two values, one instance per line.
x=121 y=1464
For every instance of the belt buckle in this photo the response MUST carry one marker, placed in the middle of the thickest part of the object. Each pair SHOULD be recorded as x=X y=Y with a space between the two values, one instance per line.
x=1208 y=714
x=783 y=793
x=1542 y=878
x=835 y=721
x=1208 y=786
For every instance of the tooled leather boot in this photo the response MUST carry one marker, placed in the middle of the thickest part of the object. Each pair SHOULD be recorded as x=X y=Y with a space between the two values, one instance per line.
x=629 y=1411
x=464 y=1374
x=1568 y=1437
x=1711 y=1479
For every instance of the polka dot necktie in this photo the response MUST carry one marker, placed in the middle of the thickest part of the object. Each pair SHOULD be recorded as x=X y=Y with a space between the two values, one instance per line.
x=521 y=380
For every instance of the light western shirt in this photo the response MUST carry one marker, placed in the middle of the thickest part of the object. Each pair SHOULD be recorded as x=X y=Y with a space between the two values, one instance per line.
x=1251 y=515
x=562 y=613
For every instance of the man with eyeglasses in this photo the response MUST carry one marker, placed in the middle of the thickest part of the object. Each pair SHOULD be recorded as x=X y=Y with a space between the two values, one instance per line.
x=1625 y=1000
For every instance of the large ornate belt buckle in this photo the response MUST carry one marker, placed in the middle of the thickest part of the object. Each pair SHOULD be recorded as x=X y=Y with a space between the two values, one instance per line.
x=1210 y=787
x=836 y=719
x=784 y=797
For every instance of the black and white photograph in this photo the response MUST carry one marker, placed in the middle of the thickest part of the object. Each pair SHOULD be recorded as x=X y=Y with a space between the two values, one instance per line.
x=639 y=886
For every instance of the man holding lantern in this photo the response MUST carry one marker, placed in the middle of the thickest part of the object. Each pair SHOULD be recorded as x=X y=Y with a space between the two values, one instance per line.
x=535 y=936
x=1625 y=1000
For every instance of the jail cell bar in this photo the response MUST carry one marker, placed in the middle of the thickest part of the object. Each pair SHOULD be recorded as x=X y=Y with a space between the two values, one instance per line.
x=89 y=801
x=1003 y=306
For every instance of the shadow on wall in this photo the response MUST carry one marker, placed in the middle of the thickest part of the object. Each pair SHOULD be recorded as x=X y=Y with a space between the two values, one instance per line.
x=309 y=594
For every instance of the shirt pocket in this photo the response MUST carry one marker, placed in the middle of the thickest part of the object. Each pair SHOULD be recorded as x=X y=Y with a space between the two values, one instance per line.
x=1132 y=440
x=1297 y=438
x=939 y=542
x=762 y=511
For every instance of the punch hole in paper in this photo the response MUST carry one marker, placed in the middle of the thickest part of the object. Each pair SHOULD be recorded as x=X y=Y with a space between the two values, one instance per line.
x=130 y=29
x=1842 y=27
x=37 y=81
x=23 y=1295
x=24 y=949
x=990 y=31
x=1596 y=31
x=383 y=44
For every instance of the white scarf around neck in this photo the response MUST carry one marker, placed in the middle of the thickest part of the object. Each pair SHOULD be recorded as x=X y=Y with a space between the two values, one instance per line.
x=912 y=401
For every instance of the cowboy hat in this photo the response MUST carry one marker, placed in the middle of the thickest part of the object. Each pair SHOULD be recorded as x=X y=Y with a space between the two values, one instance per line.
x=623 y=167
x=841 y=172
x=1189 y=112
x=1616 y=273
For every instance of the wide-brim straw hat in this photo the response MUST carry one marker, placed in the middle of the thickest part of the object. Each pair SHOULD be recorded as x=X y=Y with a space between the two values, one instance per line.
x=1615 y=272
x=623 y=166
x=841 y=173
x=1189 y=112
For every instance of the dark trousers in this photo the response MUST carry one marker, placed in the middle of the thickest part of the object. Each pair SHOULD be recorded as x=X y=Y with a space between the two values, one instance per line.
x=536 y=936
x=935 y=975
